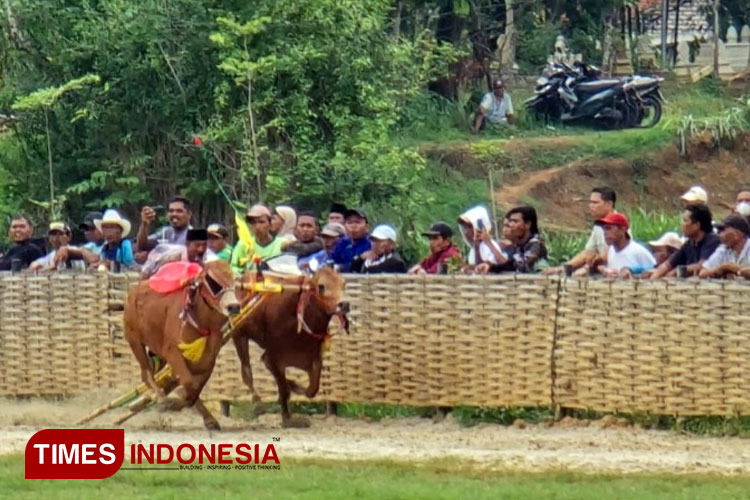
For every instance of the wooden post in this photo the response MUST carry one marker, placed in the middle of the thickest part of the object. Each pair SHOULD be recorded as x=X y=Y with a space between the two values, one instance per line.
x=630 y=24
x=225 y=407
x=638 y=27
x=716 y=39
x=676 y=30
x=664 y=20
x=332 y=409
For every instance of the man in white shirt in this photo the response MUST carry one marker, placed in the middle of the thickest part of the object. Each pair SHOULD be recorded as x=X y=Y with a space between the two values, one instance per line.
x=732 y=258
x=625 y=257
x=601 y=203
x=59 y=236
x=496 y=107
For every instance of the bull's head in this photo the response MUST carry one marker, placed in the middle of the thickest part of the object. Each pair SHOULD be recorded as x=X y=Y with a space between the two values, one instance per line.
x=327 y=287
x=217 y=287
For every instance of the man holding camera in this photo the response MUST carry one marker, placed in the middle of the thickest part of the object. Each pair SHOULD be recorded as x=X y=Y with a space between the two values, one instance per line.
x=176 y=233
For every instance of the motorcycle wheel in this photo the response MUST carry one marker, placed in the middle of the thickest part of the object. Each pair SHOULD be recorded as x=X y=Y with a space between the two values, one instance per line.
x=650 y=112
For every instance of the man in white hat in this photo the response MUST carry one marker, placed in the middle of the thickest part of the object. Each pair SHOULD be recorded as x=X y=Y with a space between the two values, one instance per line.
x=116 y=248
x=383 y=257
x=695 y=194
x=665 y=246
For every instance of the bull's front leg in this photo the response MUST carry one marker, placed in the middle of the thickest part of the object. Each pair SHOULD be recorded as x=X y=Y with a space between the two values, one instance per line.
x=242 y=346
x=314 y=376
x=284 y=392
x=209 y=421
x=191 y=384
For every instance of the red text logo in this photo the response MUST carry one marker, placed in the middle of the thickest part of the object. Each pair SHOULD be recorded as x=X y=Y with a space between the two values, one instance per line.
x=222 y=454
x=74 y=453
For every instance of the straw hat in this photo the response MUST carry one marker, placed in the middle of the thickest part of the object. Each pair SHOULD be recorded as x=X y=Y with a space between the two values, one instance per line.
x=111 y=216
x=669 y=239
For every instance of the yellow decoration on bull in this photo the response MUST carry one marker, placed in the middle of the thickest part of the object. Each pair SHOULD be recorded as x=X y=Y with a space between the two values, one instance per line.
x=193 y=351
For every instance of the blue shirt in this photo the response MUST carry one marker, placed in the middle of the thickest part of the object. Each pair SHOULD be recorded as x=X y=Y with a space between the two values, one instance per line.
x=347 y=250
x=123 y=253
x=94 y=247
x=321 y=256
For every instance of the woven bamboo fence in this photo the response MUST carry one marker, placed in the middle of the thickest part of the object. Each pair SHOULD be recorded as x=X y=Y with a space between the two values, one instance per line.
x=669 y=347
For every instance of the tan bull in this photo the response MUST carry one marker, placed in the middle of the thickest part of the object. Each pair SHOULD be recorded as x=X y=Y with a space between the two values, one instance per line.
x=183 y=328
x=291 y=327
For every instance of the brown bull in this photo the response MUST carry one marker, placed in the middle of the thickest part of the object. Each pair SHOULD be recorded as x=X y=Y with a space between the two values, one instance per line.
x=290 y=327
x=170 y=324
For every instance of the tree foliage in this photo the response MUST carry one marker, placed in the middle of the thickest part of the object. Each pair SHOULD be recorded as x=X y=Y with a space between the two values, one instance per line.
x=293 y=101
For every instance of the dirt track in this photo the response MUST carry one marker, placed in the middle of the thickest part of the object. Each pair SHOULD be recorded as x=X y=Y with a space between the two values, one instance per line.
x=533 y=448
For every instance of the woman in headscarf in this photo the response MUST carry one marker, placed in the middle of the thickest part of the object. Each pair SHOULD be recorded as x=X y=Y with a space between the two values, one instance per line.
x=476 y=228
x=283 y=222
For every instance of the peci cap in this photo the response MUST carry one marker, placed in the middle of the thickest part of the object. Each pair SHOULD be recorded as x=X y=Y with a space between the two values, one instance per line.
x=737 y=222
x=356 y=212
x=384 y=232
x=196 y=235
x=333 y=229
x=614 y=219
x=439 y=229
x=695 y=194
x=668 y=239
x=218 y=230
x=337 y=208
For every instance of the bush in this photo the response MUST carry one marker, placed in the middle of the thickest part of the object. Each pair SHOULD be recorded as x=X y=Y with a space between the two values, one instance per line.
x=535 y=44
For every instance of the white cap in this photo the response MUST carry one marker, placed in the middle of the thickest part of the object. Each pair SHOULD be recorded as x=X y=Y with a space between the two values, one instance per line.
x=695 y=193
x=670 y=239
x=384 y=232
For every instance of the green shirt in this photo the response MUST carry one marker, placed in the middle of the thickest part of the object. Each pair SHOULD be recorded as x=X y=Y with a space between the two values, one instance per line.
x=226 y=253
x=242 y=262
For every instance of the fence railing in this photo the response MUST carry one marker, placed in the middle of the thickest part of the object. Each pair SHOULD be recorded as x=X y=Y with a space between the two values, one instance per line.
x=668 y=347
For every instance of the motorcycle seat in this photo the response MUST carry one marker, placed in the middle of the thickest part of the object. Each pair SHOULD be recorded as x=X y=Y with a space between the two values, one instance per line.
x=595 y=86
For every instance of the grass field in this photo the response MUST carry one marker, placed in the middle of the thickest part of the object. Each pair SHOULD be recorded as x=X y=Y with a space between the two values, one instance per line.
x=368 y=480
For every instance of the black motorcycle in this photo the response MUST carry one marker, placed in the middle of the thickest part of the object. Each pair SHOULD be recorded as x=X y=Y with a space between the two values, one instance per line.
x=576 y=94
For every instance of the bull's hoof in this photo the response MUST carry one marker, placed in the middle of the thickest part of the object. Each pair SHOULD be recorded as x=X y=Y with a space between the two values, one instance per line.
x=171 y=405
x=158 y=395
x=295 y=423
x=255 y=398
x=212 y=425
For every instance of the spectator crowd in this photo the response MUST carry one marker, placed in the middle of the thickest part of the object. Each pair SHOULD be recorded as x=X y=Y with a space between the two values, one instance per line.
x=350 y=241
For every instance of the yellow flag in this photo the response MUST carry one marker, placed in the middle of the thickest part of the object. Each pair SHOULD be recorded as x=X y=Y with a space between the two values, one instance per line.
x=243 y=232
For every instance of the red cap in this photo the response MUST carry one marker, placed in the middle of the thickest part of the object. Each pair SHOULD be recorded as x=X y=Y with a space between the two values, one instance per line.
x=615 y=219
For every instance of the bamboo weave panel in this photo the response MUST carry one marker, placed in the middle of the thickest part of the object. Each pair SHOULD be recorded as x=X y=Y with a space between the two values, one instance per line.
x=669 y=347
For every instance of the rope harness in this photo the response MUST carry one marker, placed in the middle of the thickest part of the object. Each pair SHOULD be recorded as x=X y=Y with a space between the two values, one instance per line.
x=304 y=300
x=193 y=351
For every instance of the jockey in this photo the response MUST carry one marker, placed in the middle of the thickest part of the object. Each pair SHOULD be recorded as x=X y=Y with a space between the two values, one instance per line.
x=195 y=251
